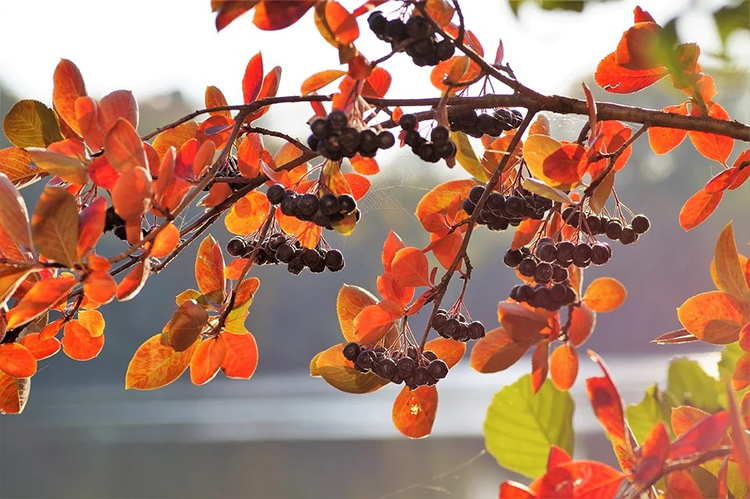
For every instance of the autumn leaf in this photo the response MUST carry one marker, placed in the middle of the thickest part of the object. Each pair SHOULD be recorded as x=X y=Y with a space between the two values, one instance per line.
x=68 y=168
x=55 y=225
x=604 y=294
x=539 y=365
x=90 y=226
x=30 y=123
x=213 y=97
x=607 y=403
x=79 y=344
x=582 y=324
x=563 y=367
x=467 y=158
x=619 y=80
x=698 y=208
x=123 y=147
x=186 y=325
x=68 y=86
x=565 y=165
x=209 y=270
x=132 y=194
x=40 y=348
x=340 y=373
x=207 y=360
x=42 y=296
x=584 y=479
x=350 y=301
x=410 y=267
x=342 y=25
x=248 y=214
x=14 y=393
x=16 y=164
x=730 y=274
x=701 y=437
x=654 y=453
x=374 y=321
x=713 y=146
x=155 y=365
x=414 y=411
x=93 y=321
x=438 y=199
x=273 y=15
x=713 y=317
x=497 y=351
x=241 y=358
x=15 y=219
x=11 y=278
x=253 y=78
x=448 y=350
x=16 y=360
x=175 y=137
x=133 y=281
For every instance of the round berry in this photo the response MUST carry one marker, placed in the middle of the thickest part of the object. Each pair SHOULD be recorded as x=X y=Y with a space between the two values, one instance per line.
x=496 y=202
x=582 y=251
x=347 y=204
x=546 y=252
x=445 y=49
x=295 y=266
x=440 y=135
x=515 y=206
x=386 y=140
x=334 y=260
x=468 y=206
x=543 y=272
x=565 y=252
x=329 y=204
x=406 y=366
x=236 y=246
x=476 y=193
x=476 y=330
x=365 y=360
x=613 y=230
x=275 y=193
x=437 y=369
x=307 y=205
x=452 y=327
x=377 y=22
x=640 y=224
x=527 y=267
x=421 y=376
x=512 y=258
x=337 y=120
x=542 y=297
x=285 y=253
x=351 y=351
x=310 y=257
x=408 y=122
x=320 y=128
x=628 y=236
x=600 y=254
x=594 y=224
x=559 y=273
x=287 y=204
x=525 y=293
x=387 y=368
x=438 y=320
x=558 y=292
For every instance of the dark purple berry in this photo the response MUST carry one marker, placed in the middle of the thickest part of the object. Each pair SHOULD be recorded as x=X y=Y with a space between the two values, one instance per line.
x=527 y=267
x=351 y=351
x=236 y=246
x=275 y=193
x=640 y=224
x=408 y=122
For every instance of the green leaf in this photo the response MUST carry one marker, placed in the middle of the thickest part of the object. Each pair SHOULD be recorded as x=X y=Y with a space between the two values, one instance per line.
x=30 y=123
x=656 y=406
x=467 y=158
x=737 y=487
x=729 y=357
x=521 y=427
x=690 y=385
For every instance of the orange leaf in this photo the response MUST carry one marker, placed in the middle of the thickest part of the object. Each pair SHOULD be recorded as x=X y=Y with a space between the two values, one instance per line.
x=253 y=78
x=308 y=235
x=186 y=325
x=165 y=241
x=55 y=225
x=514 y=490
x=497 y=351
x=741 y=374
x=521 y=323
x=448 y=350
x=93 y=321
x=68 y=86
x=377 y=84
x=685 y=417
x=619 y=80
x=639 y=47
x=391 y=290
x=241 y=358
x=358 y=185
x=563 y=368
x=16 y=360
x=15 y=163
x=681 y=484
x=714 y=317
x=446 y=248
x=721 y=181
x=414 y=411
x=730 y=276
x=350 y=301
x=42 y=296
x=100 y=287
x=438 y=200
x=215 y=98
x=320 y=80
x=248 y=214
x=662 y=140
x=606 y=402
x=273 y=15
x=269 y=88
x=440 y=11
x=604 y=294
x=90 y=226
x=123 y=147
x=342 y=24
x=116 y=105
x=133 y=282
x=539 y=365
x=207 y=360
x=248 y=158
x=566 y=165
x=581 y=479
x=410 y=267
x=175 y=137
x=216 y=129
x=712 y=146
x=698 y=208
x=40 y=349
x=155 y=365
x=365 y=166
x=209 y=270
x=374 y=321
x=392 y=244
x=79 y=344
x=132 y=194
x=51 y=329
x=15 y=219
x=557 y=457
x=90 y=121
x=14 y=392
x=229 y=10
x=102 y=173
x=744 y=171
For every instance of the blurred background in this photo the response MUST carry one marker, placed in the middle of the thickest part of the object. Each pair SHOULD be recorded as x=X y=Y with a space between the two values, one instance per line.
x=283 y=434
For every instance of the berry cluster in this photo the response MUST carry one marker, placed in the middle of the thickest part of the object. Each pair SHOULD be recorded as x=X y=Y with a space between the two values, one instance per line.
x=276 y=248
x=613 y=228
x=113 y=221
x=552 y=298
x=334 y=139
x=467 y=121
x=453 y=325
x=416 y=36
x=501 y=211
x=408 y=366
x=440 y=146
x=322 y=211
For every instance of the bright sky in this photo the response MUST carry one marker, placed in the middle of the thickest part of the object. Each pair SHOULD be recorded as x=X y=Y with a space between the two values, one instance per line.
x=153 y=46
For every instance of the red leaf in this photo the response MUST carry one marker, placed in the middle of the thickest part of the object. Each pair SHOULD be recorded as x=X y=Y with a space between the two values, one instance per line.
x=374 y=321
x=539 y=365
x=207 y=360
x=513 y=490
x=681 y=484
x=721 y=181
x=606 y=402
x=392 y=244
x=619 y=80
x=446 y=248
x=90 y=226
x=391 y=290
x=269 y=88
x=79 y=344
x=742 y=163
x=563 y=367
x=581 y=479
x=229 y=10
x=557 y=457
x=698 y=208
x=701 y=437
x=414 y=411
x=582 y=324
x=712 y=146
x=342 y=24
x=567 y=164
x=654 y=452
x=40 y=348
x=68 y=86
x=273 y=15
x=16 y=360
x=410 y=267
x=377 y=84
x=741 y=374
x=253 y=78
x=525 y=232
x=214 y=97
